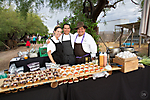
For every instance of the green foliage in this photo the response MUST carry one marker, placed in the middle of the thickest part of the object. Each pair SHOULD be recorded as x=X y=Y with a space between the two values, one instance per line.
x=24 y=6
x=145 y=60
x=142 y=4
x=13 y=23
x=79 y=17
x=34 y=24
x=10 y=23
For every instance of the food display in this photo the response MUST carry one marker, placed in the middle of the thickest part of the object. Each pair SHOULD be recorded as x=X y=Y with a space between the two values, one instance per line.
x=126 y=54
x=62 y=75
x=75 y=80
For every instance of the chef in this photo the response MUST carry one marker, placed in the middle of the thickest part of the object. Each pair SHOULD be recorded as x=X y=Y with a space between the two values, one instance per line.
x=84 y=44
x=54 y=48
x=67 y=40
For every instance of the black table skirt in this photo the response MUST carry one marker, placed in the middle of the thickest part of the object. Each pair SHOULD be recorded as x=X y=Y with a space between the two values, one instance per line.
x=119 y=86
x=25 y=62
x=44 y=92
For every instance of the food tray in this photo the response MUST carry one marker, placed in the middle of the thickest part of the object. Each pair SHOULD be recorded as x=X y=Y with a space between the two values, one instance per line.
x=50 y=81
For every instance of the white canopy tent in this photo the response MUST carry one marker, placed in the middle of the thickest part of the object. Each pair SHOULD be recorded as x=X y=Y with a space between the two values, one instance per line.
x=145 y=20
x=145 y=23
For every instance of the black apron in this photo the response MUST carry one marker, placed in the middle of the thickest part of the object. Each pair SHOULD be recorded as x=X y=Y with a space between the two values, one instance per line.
x=69 y=57
x=80 y=54
x=58 y=54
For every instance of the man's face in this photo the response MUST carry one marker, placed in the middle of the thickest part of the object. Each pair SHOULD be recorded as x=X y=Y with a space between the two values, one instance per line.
x=81 y=31
x=66 y=29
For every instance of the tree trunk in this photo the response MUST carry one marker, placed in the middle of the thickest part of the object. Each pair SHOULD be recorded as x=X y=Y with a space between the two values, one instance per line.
x=93 y=12
x=98 y=9
x=15 y=44
x=23 y=37
x=10 y=43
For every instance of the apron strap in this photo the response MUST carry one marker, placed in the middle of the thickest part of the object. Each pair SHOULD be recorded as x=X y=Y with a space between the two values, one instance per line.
x=82 y=56
x=63 y=36
x=82 y=38
x=54 y=42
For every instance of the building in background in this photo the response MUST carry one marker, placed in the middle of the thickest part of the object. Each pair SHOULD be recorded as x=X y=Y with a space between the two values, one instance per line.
x=132 y=28
x=109 y=32
x=110 y=25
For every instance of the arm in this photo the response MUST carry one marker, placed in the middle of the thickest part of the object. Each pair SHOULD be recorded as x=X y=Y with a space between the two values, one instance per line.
x=73 y=39
x=50 y=56
x=47 y=41
x=93 y=47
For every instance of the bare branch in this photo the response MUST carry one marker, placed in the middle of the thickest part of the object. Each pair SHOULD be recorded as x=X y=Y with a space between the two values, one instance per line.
x=134 y=2
x=104 y=13
x=110 y=6
x=117 y=2
x=113 y=5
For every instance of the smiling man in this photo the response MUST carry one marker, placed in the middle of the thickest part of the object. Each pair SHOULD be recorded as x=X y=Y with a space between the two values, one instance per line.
x=67 y=40
x=84 y=44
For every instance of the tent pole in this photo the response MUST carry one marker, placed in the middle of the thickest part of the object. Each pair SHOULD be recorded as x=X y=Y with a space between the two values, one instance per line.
x=148 y=49
x=127 y=37
x=132 y=35
x=131 y=39
x=121 y=37
x=140 y=42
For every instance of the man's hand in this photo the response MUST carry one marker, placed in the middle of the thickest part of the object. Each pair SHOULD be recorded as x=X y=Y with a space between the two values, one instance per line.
x=47 y=41
x=54 y=62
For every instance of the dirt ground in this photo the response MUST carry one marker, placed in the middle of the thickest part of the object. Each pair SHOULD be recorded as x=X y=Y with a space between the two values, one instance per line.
x=6 y=56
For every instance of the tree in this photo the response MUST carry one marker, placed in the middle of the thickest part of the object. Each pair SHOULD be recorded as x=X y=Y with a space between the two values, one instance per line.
x=91 y=9
x=34 y=24
x=13 y=26
x=10 y=24
x=24 y=6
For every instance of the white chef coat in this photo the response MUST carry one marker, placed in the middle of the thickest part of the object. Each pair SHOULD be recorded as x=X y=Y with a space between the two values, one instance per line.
x=88 y=44
x=67 y=37
x=51 y=46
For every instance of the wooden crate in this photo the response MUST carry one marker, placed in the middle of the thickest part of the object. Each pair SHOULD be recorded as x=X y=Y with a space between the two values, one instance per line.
x=126 y=59
x=128 y=64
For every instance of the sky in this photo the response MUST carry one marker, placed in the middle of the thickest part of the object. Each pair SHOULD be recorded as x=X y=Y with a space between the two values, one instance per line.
x=128 y=10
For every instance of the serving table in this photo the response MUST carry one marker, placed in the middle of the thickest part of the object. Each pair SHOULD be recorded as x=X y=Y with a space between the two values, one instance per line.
x=133 y=85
